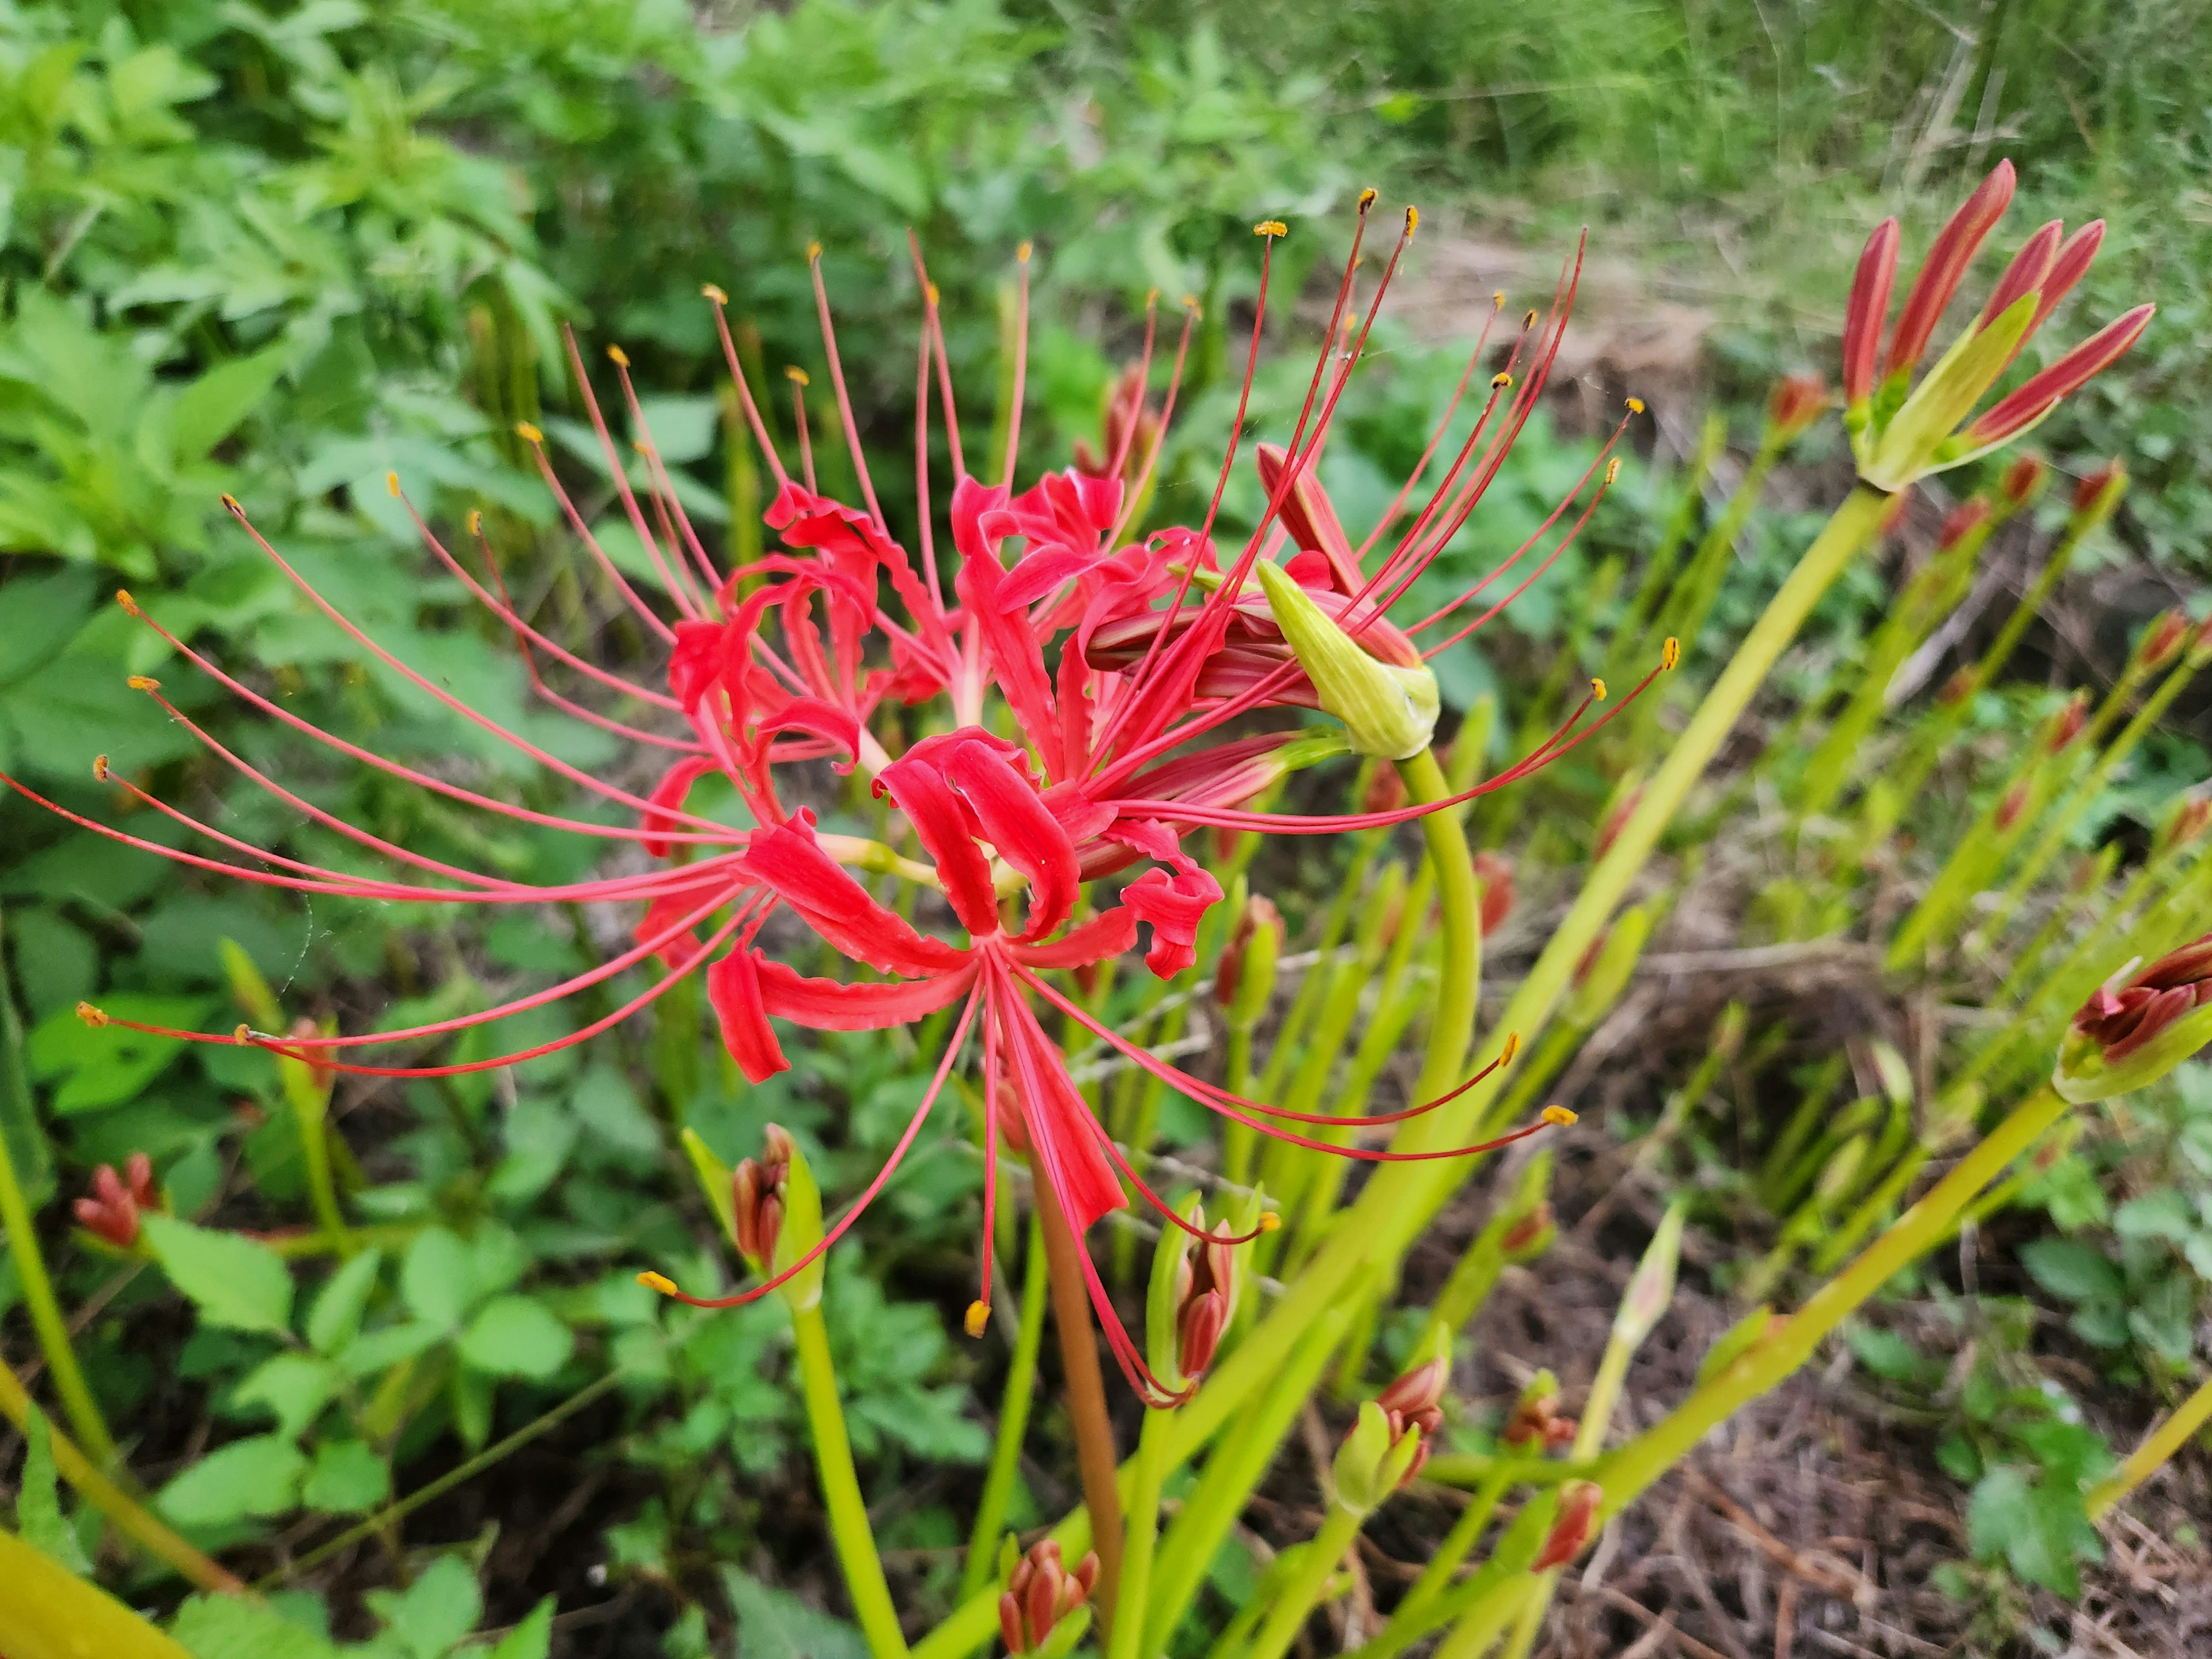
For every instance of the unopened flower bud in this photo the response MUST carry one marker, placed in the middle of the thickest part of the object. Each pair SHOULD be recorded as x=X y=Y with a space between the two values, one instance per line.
x=2186 y=823
x=1244 y=981
x=777 y=1215
x=1389 y=709
x=2129 y=1038
x=2162 y=641
x=1193 y=1294
x=306 y=1037
x=2014 y=803
x=2062 y=727
x=1962 y=521
x=1530 y=1235
x=1571 y=1525
x=1493 y=875
x=1037 y=1608
x=2021 y=482
x=116 y=1201
x=1386 y=791
x=1794 y=404
x=1651 y=1287
x=1535 y=1424
x=1955 y=688
x=2097 y=492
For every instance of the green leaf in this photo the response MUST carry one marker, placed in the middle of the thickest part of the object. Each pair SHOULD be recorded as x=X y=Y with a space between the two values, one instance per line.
x=531 y=1640
x=774 y=1624
x=437 y=1281
x=335 y=1320
x=2040 y=1528
x=2068 y=1268
x=380 y=1350
x=349 y=1478
x=231 y=1627
x=294 y=1386
x=433 y=1613
x=104 y=1065
x=514 y=1336
x=259 y=1476
x=2162 y=1213
x=208 y=410
x=1889 y=1356
x=233 y=1281
x=38 y=1504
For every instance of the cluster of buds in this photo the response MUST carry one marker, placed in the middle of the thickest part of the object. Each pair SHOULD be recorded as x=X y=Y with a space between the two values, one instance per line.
x=116 y=1201
x=756 y=1197
x=1535 y=1423
x=1389 y=1443
x=1192 y=1294
x=2129 y=1036
x=1042 y=1610
x=1900 y=432
x=775 y=1220
x=1572 y=1522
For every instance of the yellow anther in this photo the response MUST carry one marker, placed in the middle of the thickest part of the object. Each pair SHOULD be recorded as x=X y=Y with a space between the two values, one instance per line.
x=617 y=356
x=391 y=482
x=1367 y=198
x=1636 y=405
x=90 y=1015
x=1512 y=1047
x=143 y=683
x=123 y=597
x=1271 y=227
x=715 y=293
x=1613 y=471
x=100 y=768
x=528 y=434
x=796 y=375
x=660 y=1282
x=243 y=1036
x=1022 y=253
x=476 y=522
x=1151 y=298
x=932 y=292
x=1671 y=653
x=1558 y=1117
x=1597 y=689
x=1413 y=220
x=1269 y=1222
x=1501 y=381
x=1529 y=321
x=1497 y=299
x=813 y=252
x=229 y=503
x=978 y=1319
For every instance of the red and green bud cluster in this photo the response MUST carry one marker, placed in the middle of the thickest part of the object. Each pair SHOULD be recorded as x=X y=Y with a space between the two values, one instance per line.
x=1900 y=432
x=116 y=1202
x=1536 y=1424
x=2128 y=1036
x=1040 y=1595
x=1571 y=1525
x=1795 y=403
x=756 y=1198
x=1389 y=1443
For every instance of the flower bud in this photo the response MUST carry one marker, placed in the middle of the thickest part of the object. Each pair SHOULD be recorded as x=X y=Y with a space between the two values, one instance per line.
x=1389 y=1443
x=1571 y=1525
x=2021 y=482
x=1955 y=688
x=1386 y=791
x=1651 y=1287
x=1535 y=1425
x=2062 y=727
x=2190 y=814
x=1530 y=1235
x=1493 y=875
x=116 y=1202
x=2014 y=803
x=1795 y=403
x=2162 y=641
x=1961 y=522
x=2097 y=493
x=1042 y=1596
x=1244 y=981
x=1389 y=710
x=2129 y=1038
x=777 y=1215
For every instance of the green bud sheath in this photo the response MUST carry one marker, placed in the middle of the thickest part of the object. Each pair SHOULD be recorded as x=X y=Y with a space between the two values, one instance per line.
x=1388 y=712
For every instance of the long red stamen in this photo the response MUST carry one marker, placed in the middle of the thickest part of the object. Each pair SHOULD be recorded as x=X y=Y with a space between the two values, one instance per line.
x=531 y=435
x=1020 y=387
x=936 y=325
x=719 y=302
x=677 y=590
x=844 y=399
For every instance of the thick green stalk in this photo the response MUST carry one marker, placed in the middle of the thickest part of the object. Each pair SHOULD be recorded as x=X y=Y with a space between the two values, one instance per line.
x=1459 y=903
x=841 y=1488
x=1013 y=1422
x=1298 y=1598
x=46 y=1315
x=131 y=1519
x=2158 y=1446
x=49 y=1613
x=1629 y=1471
x=1144 y=1535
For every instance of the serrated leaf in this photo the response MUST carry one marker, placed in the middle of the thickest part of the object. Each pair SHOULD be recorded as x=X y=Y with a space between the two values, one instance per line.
x=38 y=1504
x=232 y=1627
x=774 y=1624
x=531 y=1640
x=232 y=1281
x=348 y=1478
x=294 y=1386
x=254 y=1477
x=515 y=1336
x=335 y=1320
x=433 y=1613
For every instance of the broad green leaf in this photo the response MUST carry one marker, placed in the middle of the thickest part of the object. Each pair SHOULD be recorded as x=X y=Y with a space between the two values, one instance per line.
x=515 y=1336
x=774 y=1624
x=103 y=1065
x=38 y=1504
x=231 y=1627
x=335 y=1320
x=531 y=1640
x=208 y=410
x=380 y=1350
x=259 y=1476
x=348 y=1478
x=437 y=1281
x=2069 y=1268
x=294 y=1386
x=232 y=1281
x=433 y=1613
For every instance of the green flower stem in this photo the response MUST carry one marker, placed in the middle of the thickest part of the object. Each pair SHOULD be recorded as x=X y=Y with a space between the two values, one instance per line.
x=2161 y=1444
x=46 y=1315
x=1148 y=1475
x=1317 y=1561
x=322 y=1190
x=1396 y=1636
x=129 y=1517
x=1478 y=1630
x=49 y=1613
x=1634 y=1466
x=841 y=1488
x=1087 y=1395
x=1013 y=1422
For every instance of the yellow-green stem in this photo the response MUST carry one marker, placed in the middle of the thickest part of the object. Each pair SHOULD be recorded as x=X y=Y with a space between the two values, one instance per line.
x=2162 y=1442
x=46 y=1315
x=1014 y=1421
x=48 y=1612
x=1143 y=1538
x=132 y=1520
x=841 y=1489
x=1399 y=1634
x=1289 y=1614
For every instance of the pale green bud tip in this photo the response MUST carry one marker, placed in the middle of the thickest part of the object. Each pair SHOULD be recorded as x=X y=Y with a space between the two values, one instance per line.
x=1388 y=711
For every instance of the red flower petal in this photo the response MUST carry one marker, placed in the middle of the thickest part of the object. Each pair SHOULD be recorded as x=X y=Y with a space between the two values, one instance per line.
x=733 y=987
x=827 y=1005
x=1027 y=836
x=942 y=823
x=675 y=786
x=787 y=858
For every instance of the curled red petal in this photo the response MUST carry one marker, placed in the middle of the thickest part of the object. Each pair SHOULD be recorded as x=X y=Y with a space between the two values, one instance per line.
x=787 y=858
x=669 y=795
x=829 y=1004
x=943 y=826
x=733 y=986
x=1017 y=822
x=1868 y=310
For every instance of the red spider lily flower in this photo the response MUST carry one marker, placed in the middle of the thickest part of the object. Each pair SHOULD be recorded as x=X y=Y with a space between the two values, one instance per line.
x=2128 y=1036
x=114 y=1205
x=1900 y=432
x=1118 y=750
